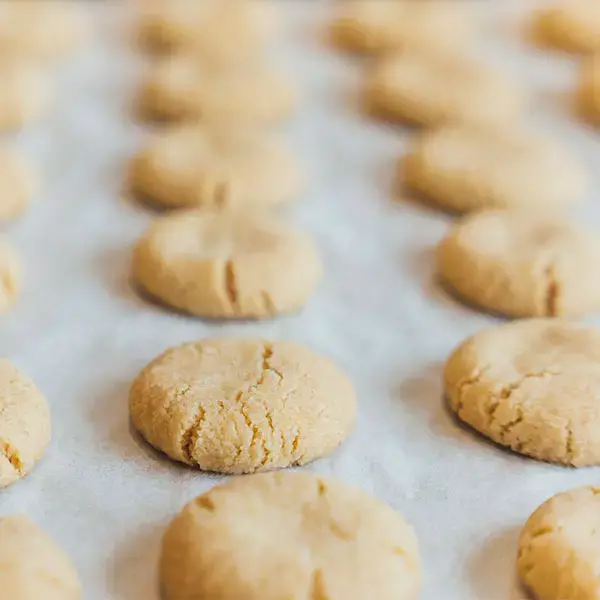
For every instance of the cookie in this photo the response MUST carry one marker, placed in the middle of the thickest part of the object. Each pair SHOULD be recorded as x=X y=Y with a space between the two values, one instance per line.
x=33 y=566
x=24 y=424
x=289 y=535
x=182 y=88
x=241 y=406
x=24 y=94
x=588 y=96
x=223 y=167
x=569 y=25
x=424 y=89
x=219 y=31
x=18 y=184
x=531 y=386
x=462 y=169
x=559 y=547
x=381 y=26
x=10 y=277
x=226 y=266
x=521 y=264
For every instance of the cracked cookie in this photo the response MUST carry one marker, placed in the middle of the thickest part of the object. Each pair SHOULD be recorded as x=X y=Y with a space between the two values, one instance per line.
x=522 y=265
x=427 y=90
x=559 y=547
x=570 y=25
x=531 y=386
x=24 y=424
x=225 y=166
x=588 y=99
x=33 y=566
x=289 y=535
x=381 y=26
x=462 y=169
x=182 y=89
x=225 y=265
x=242 y=405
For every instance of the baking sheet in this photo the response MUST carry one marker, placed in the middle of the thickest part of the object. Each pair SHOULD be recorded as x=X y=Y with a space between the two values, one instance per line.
x=82 y=333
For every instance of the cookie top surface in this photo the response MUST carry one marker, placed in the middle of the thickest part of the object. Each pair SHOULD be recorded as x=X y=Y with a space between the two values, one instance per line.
x=531 y=385
x=289 y=535
x=219 y=166
x=559 y=547
x=238 y=406
x=522 y=264
x=33 y=567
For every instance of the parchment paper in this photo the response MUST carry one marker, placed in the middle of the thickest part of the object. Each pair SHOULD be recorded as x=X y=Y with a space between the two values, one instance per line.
x=82 y=333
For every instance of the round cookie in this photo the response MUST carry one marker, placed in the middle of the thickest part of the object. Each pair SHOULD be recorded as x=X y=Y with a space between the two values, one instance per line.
x=241 y=406
x=33 y=566
x=559 y=549
x=18 y=184
x=10 y=277
x=588 y=95
x=24 y=424
x=24 y=94
x=289 y=535
x=520 y=264
x=182 y=88
x=531 y=386
x=226 y=265
x=421 y=89
x=227 y=166
x=462 y=169
x=570 y=25
x=219 y=31
x=381 y=26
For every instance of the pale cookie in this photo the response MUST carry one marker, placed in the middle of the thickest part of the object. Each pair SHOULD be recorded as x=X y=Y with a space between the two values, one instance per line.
x=10 y=277
x=427 y=90
x=24 y=94
x=559 y=547
x=218 y=31
x=588 y=98
x=292 y=536
x=570 y=25
x=226 y=266
x=182 y=88
x=24 y=424
x=241 y=406
x=18 y=184
x=462 y=169
x=531 y=386
x=380 y=26
x=522 y=264
x=229 y=166
x=33 y=566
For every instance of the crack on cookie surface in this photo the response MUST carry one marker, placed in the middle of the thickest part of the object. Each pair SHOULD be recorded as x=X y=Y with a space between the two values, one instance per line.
x=469 y=381
x=231 y=287
x=553 y=292
x=12 y=456
x=205 y=502
x=318 y=591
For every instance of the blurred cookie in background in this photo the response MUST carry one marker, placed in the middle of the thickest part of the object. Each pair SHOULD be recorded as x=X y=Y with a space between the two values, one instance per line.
x=588 y=94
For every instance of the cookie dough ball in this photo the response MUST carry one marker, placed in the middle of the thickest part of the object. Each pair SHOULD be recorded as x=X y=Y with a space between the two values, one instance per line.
x=427 y=90
x=24 y=94
x=570 y=25
x=226 y=266
x=559 y=548
x=33 y=566
x=462 y=169
x=182 y=88
x=520 y=264
x=531 y=386
x=381 y=26
x=24 y=425
x=240 y=406
x=227 y=166
x=220 y=31
x=10 y=277
x=289 y=535
x=588 y=100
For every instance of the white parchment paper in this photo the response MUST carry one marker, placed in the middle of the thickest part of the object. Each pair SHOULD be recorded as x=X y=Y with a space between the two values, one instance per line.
x=82 y=333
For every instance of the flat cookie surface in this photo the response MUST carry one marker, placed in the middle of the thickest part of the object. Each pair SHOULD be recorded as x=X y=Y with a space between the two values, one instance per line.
x=33 y=567
x=240 y=406
x=227 y=266
x=181 y=88
x=462 y=169
x=223 y=167
x=421 y=89
x=559 y=547
x=531 y=386
x=289 y=535
x=520 y=264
